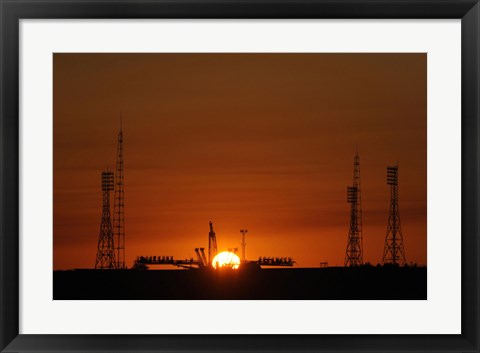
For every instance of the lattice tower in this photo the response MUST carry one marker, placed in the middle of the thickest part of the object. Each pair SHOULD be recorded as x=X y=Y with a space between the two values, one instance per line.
x=119 y=204
x=105 y=249
x=393 y=252
x=354 y=252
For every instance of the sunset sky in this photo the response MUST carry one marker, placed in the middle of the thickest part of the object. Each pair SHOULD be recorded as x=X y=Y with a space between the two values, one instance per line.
x=258 y=141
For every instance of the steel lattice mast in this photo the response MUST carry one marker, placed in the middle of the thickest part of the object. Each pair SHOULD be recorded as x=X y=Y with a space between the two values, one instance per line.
x=354 y=252
x=119 y=205
x=393 y=252
x=106 y=250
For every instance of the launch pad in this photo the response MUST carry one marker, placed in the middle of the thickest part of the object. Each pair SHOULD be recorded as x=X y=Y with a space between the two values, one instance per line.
x=197 y=264
x=230 y=261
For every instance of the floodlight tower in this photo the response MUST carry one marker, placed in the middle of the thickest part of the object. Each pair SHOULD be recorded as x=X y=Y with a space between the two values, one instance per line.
x=212 y=245
x=106 y=250
x=393 y=252
x=243 y=231
x=119 y=204
x=354 y=252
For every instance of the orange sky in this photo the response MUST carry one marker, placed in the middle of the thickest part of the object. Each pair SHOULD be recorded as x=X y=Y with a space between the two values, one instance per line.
x=258 y=141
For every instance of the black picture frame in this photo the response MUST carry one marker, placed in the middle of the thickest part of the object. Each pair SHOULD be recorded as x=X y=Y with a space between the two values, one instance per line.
x=11 y=11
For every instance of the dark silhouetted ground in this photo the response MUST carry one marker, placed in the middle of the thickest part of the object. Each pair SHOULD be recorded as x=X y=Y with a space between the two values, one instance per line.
x=292 y=283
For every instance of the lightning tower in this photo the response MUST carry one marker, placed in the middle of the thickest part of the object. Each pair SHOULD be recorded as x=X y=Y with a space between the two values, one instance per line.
x=212 y=245
x=354 y=252
x=243 y=231
x=105 y=250
x=119 y=204
x=393 y=252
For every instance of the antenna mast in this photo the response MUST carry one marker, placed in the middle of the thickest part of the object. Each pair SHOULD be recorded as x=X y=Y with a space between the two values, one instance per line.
x=354 y=252
x=243 y=231
x=119 y=204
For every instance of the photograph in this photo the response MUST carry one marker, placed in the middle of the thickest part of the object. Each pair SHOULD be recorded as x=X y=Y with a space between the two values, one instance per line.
x=239 y=176
x=310 y=168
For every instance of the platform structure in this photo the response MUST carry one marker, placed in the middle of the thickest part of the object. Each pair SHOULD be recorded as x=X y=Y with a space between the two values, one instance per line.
x=275 y=261
x=192 y=263
x=167 y=260
x=204 y=260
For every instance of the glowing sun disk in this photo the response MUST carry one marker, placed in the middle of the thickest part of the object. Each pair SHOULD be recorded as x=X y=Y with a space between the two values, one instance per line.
x=226 y=259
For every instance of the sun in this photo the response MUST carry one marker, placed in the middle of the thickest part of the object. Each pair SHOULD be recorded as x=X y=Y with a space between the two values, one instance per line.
x=226 y=259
